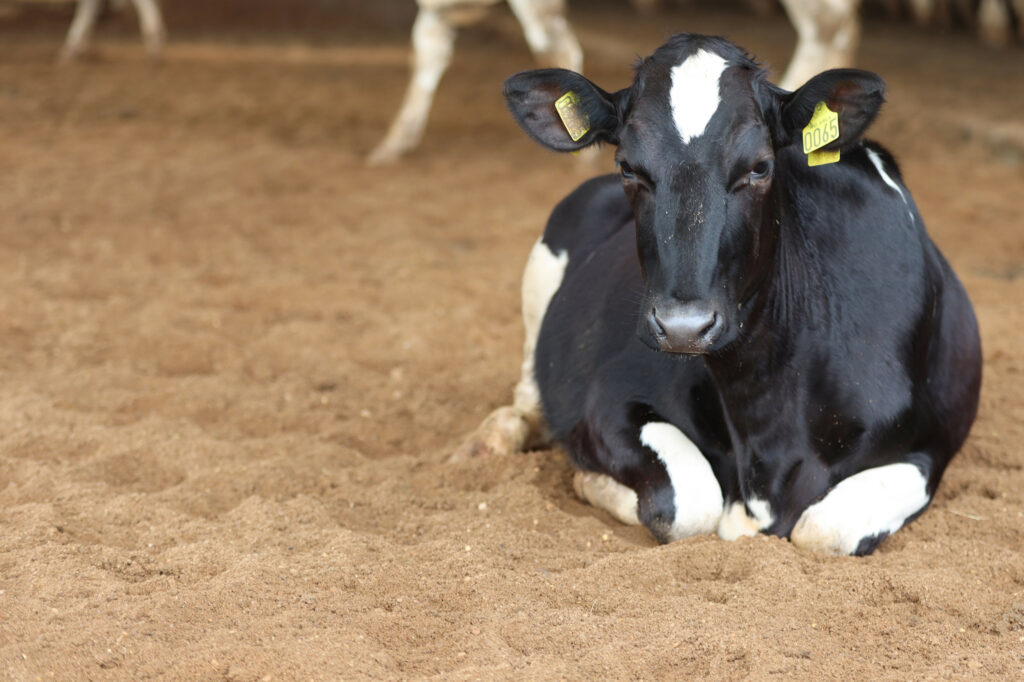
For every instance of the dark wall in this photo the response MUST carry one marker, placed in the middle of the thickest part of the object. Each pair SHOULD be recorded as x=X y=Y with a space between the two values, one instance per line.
x=286 y=13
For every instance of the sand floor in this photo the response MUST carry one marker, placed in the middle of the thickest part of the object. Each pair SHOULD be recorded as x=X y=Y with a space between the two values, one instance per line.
x=234 y=361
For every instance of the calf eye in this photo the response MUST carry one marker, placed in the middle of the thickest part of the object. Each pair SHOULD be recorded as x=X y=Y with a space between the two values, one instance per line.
x=626 y=171
x=761 y=171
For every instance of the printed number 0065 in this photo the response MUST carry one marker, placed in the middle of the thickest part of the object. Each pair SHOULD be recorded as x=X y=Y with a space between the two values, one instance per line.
x=822 y=135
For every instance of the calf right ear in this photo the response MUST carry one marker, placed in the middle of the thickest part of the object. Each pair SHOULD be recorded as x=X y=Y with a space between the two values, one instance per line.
x=562 y=110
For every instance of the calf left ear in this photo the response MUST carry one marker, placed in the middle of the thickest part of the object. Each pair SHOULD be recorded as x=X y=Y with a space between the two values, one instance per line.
x=855 y=95
x=561 y=109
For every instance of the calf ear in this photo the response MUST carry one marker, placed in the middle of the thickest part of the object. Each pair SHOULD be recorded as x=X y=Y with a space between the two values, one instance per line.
x=855 y=95
x=561 y=109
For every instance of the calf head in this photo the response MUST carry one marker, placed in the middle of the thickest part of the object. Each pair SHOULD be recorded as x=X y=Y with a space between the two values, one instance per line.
x=697 y=133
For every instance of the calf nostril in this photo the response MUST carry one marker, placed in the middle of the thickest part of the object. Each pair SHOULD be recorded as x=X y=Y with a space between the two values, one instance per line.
x=655 y=325
x=710 y=325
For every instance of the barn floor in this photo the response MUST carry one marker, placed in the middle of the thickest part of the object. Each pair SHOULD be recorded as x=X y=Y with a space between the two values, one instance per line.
x=233 y=362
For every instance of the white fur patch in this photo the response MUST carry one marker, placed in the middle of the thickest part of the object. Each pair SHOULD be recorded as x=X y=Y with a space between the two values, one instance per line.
x=694 y=96
x=867 y=504
x=541 y=279
x=698 y=497
x=876 y=161
x=606 y=493
x=737 y=523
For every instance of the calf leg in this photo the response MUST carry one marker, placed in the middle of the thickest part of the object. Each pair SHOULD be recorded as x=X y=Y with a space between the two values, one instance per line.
x=515 y=427
x=151 y=22
x=864 y=509
x=81 y=28
x=653 y=475
x=433 y=41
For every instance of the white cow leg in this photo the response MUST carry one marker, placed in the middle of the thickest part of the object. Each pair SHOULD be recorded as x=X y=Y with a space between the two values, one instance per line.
x=81 y=28
x=828 y=32
x=862 y=510
x=548 y=33
x=151 y=22
x=694 y=503
x=433 y=41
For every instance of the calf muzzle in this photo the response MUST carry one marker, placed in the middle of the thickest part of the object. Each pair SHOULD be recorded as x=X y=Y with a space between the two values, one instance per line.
x=689 y=328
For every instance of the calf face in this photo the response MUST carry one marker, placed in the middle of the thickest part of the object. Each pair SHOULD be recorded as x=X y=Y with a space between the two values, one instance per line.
x=697 y=133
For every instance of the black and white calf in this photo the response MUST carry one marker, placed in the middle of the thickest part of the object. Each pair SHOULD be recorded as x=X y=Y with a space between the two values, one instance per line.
x=726 y=338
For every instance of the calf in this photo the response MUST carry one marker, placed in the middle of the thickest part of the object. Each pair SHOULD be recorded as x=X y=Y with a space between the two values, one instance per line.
x=733 y=335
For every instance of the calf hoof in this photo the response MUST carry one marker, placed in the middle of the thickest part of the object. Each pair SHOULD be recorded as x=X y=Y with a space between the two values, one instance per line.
x=504 y=432
x=862 y=510
x=604 y=492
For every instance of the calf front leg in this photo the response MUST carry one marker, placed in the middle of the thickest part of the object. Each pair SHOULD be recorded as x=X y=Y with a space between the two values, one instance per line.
x=864 y=509
x=654 y=475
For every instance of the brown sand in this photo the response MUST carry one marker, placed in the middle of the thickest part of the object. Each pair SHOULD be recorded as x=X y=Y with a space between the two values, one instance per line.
x=234 y=361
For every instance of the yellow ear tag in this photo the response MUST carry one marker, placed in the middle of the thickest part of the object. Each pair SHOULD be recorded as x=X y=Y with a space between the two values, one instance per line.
x=575 y=120
x=821 y=157
x=822 y=129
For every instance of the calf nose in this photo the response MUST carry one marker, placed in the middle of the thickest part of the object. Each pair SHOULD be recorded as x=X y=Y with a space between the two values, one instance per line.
x=685 y=328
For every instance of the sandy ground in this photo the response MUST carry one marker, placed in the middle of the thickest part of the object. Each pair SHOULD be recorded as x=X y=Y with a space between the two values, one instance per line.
x=233 y=362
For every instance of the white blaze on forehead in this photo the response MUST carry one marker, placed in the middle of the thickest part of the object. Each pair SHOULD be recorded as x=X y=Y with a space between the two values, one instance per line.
x=694 y=95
